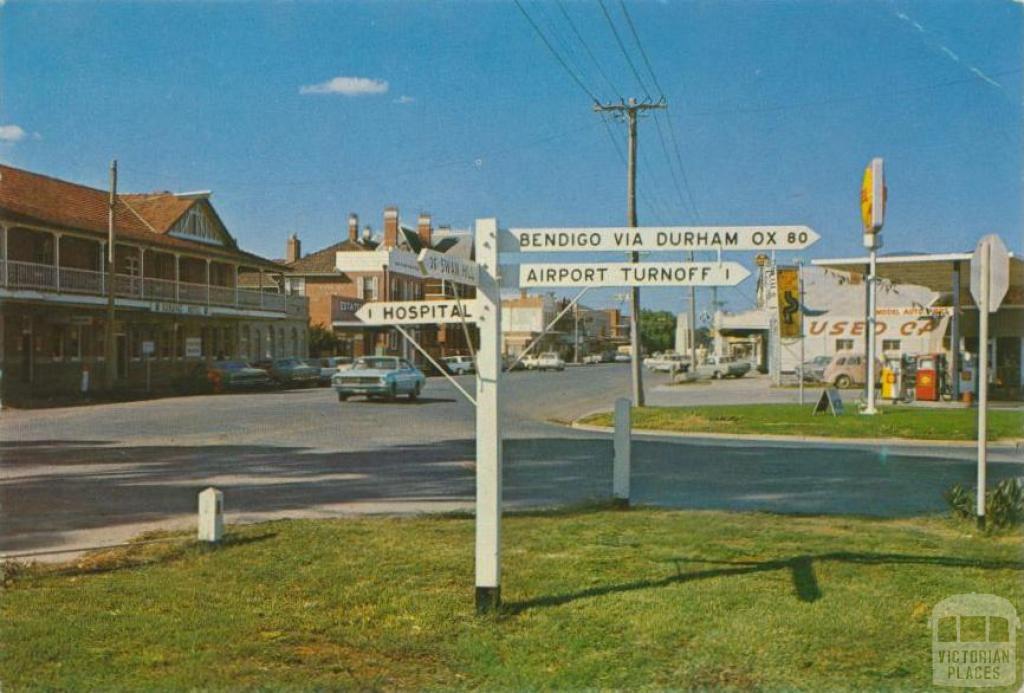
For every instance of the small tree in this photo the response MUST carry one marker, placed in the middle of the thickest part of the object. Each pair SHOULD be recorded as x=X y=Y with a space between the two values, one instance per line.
x=322 y=341
x=657 y=330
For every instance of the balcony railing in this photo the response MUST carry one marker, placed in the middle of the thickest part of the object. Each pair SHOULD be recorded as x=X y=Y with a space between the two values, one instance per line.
x=40 y=277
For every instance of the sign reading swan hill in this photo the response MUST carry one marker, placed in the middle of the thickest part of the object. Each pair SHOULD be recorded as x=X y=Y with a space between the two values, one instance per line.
x=633 y=274
x=447 y=267
x=666 y=238
x=415 y=312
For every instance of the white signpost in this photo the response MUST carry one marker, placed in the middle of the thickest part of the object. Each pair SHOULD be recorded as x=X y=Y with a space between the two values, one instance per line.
x=415 y=312
x=990 y=280
x=633 y=274
x=453 y=269
x=666 y=238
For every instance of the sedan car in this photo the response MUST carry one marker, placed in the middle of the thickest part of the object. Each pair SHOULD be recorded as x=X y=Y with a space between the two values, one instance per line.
x=814 y=370
x=292 y=372
x=331 y=365
x=550 y=360
x=459 y=365
x=379 y=376
x=236 y=375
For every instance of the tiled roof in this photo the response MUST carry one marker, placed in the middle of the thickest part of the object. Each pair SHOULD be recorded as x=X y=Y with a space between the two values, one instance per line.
x=323 y=261
x=146 y=218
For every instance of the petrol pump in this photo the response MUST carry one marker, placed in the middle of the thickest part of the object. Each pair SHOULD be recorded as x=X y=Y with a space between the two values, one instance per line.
x=891 y=376
x=932 y=379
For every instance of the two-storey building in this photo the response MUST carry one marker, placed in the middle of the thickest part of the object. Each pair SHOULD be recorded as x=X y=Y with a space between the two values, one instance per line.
x=179 y=300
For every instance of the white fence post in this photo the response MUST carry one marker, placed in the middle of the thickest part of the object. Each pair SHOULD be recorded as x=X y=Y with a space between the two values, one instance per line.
x=211 y=515
x=488 y=420
x=623 y=450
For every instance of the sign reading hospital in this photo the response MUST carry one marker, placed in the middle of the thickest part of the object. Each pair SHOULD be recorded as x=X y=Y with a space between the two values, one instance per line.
x=415 y=312
x=666 y=238
x=633 y=274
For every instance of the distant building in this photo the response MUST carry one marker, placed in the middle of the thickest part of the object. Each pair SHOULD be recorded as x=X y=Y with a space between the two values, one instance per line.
x=524 y=318
x=180 y=277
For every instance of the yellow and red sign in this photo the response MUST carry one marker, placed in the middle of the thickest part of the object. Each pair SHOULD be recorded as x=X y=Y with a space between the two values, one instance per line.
x=873 y=196
x=790 y=311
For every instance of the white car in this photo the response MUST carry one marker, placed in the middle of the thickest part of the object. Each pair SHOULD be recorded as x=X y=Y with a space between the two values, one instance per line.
x=668 y=363
x=549 y=360
x=459 y=365
x=530 y=362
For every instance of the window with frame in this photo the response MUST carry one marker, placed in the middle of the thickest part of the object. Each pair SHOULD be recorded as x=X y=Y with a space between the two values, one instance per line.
x=844 y=344
x=74 y=345
x=890 y=345
x=57 y=342
x=368 y=288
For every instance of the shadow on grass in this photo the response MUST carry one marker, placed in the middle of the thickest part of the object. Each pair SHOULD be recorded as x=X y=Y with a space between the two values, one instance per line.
x=801 y=569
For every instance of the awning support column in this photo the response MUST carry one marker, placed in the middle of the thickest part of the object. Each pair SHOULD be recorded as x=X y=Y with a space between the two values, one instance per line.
x=954 y=333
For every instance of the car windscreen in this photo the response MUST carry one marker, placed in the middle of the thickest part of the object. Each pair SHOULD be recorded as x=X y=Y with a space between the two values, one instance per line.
x=230 y=365
x=384 y=364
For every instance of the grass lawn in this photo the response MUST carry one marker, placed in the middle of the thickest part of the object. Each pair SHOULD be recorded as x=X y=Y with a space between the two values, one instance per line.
x=593 y=597
x=796 y=420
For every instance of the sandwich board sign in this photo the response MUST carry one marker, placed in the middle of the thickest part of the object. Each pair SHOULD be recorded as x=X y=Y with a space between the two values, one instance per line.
x=416 y=312
x=605 y=274
x=830 y=401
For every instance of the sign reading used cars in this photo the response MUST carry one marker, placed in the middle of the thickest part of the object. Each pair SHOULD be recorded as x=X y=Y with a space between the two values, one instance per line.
x=666 y=238
x=633 y=274
x=415 y=312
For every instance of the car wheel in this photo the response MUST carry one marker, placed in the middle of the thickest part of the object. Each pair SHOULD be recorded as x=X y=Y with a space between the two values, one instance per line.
x=415 y=393
x=842 y=381
x=392 y=393
x=716 y=375
x=342 y=397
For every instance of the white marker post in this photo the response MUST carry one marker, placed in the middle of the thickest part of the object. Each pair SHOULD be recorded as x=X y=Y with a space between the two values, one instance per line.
x=623 y=452
x=488 y=420
x=872 y=207
x=990 y=270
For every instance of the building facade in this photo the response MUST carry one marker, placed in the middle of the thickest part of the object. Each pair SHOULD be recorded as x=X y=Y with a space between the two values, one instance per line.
x=178 y=283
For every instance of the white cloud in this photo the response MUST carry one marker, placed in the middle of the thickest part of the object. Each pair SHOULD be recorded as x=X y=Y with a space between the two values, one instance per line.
x=347 y=86
x=403 y=99
x=11 y=133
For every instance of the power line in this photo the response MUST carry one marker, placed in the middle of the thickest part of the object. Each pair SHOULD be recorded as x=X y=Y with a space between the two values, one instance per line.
x=625 y=53
x=643 y=53
x=556 y=55
x=586 y=47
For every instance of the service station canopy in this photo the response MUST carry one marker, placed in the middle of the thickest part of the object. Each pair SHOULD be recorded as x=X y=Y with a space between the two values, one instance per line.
x=654 y=238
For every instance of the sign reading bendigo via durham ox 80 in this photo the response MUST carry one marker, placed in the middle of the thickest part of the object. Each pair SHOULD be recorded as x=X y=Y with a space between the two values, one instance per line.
x=633 y=274
x=666 y=238
x=447 y=267
x=790 y=312
x=415 y=312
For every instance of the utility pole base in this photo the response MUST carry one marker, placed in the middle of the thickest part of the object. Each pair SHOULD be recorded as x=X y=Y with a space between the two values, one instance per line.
x=620 y=503
x=981 y=522
x=488 y=599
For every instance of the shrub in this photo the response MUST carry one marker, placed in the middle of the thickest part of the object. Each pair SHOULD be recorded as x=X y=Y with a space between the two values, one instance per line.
x=1004 y=505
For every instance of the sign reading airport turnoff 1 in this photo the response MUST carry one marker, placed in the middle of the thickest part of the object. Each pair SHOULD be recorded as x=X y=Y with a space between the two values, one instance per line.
x=633 y=274
x=447 y=267
x=666 y=238
x=415 y=312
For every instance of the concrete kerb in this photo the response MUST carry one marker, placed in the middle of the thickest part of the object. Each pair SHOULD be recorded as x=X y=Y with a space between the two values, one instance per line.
x=695 y=435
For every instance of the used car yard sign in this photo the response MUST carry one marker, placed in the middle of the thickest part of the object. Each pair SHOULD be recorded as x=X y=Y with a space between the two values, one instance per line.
x=666 y=238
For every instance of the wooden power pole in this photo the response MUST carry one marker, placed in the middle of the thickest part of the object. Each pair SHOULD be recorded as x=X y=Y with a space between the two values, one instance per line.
x=630 y=109
x=109 y=348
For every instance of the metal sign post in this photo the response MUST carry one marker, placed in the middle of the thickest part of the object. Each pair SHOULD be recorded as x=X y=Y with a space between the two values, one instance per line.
x=488 y=420
x=990 y=270
x=872 y=210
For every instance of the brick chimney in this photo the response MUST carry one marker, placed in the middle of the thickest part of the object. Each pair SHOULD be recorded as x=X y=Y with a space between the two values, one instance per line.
x=425 y=230
x=390 y=227
x=293 y=249
x=353 y=227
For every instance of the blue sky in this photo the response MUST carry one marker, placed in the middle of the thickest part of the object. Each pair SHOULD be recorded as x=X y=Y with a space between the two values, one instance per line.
x=776 y=107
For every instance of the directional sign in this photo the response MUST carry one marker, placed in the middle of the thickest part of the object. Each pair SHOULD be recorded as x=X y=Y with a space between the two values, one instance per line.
x=790 y=316
x=447 y=267
x=666 y=238
x=630 y=274
x=414 y=312
x=999 y=271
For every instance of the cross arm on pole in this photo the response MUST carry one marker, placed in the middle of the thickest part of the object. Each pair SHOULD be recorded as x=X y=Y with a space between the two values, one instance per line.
x=436 y=365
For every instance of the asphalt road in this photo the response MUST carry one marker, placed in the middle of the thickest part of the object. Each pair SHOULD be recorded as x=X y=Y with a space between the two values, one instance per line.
x=77 y=477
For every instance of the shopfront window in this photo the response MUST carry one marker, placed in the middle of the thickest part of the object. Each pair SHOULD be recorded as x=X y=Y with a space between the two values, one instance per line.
x=57 y=342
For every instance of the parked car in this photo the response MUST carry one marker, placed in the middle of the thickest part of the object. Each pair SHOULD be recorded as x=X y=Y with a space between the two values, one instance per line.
x=813 y=371
x=331 y=365
x=291 y=372
x=459 y=365
x=509 y=362
x=622 y=358
x=550 y=360
x=668 y=363
x=718 y=367
x=848 y=368
x=235 y=375
x=591 y=359
x=530 y=362
x=379 y=376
